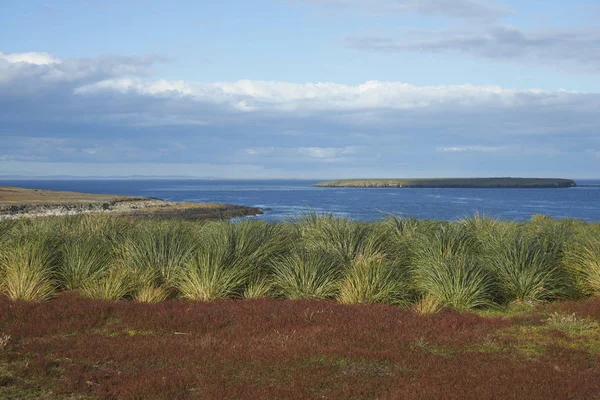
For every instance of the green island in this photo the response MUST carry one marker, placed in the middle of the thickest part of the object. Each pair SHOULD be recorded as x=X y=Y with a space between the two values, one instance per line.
x=103 y=305
x=452 y=183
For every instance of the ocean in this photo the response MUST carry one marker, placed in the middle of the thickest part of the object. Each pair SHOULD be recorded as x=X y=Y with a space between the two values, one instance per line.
x=287 y=199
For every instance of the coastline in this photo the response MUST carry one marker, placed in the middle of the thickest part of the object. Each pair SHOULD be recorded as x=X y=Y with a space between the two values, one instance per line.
x=17 y=203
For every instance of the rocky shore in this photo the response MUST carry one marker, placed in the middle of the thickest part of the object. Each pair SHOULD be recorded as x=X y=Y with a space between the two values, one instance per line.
x=18 y=203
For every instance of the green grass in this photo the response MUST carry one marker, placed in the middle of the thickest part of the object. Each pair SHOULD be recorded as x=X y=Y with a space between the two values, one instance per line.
x=448 y=268
x=375 y=279
x=527 y=272
x=28 y=272
x=306 y=275
x=474 y=263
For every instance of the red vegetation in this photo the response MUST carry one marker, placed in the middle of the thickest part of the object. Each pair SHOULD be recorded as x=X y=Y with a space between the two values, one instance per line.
x=277 y=349
x=589 y=308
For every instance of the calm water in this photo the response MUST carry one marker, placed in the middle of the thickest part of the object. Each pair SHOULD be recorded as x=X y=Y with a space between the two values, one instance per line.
x=289 y=198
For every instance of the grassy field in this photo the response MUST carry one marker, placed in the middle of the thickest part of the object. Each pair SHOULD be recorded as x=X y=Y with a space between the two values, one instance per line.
x=16 y=195
x=453 y=183
x=101 y=306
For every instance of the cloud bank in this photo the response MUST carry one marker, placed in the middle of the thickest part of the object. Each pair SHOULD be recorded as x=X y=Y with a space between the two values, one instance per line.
x=463 y=9
x=577 y=50
x=111 y=110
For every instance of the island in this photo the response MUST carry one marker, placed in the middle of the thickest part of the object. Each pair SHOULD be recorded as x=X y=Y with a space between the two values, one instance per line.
x=504 y=183
x=18 y=203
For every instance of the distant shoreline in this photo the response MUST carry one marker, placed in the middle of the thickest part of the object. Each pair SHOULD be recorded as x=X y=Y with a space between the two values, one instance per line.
x=459 y=183
x=17 y=203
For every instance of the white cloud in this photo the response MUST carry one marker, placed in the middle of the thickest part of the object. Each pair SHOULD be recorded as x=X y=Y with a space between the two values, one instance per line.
x=471 y=149
x=29 y=58
x=80 y=80
x=252 y=96
x=259 y=151
x=326 y=153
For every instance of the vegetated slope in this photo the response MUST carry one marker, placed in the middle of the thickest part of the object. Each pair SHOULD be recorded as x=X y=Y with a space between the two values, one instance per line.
x=21 y=203
x=453 y=183
x=16 y=195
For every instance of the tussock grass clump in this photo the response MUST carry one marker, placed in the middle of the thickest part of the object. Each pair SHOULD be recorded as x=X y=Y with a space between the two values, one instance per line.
x=258 y=288
x=232 y=260
x=584 y=260
x=212 y=274
x=427 y=304
x=306 y=275
x=342 y=238
x=114 y=283
x=458 y=282
x=526 y=272
x=155 y=255
x=28 y=272
x=83 y=261
x=448 y=268
x=374 y=279
x=151 y=294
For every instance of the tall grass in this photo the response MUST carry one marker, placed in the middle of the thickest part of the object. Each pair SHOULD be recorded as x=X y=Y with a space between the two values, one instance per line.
x=342 y=238
x=471 y=263
x=114 y=283
x=155 y=255
x=584 y=259
x=306 y=275
x=212 y=274
x=83 y=261
x=375 y=279
x=527 y=272
x=228 y=256
x=448 y=268
x=28 y=272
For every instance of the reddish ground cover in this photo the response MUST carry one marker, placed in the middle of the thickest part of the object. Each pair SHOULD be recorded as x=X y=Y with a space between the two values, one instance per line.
x=269 y=348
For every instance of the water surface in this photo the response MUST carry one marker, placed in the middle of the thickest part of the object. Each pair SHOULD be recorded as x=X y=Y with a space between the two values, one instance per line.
x=290 y=198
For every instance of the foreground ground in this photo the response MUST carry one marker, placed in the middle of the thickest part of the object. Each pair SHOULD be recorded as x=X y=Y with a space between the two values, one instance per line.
x=21 y=203
x=71 y=347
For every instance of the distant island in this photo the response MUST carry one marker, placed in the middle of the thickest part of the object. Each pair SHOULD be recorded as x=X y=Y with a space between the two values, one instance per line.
x=451 y=183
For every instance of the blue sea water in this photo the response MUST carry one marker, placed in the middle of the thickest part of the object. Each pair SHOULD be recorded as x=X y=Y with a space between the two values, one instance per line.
x=284 y=199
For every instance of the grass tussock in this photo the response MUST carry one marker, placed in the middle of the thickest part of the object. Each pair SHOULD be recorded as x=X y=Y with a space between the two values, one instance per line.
x=306 y=275
x=374 y=279
x=526 y=272
x=212 y=275
x=28 y=272
x=448 y=268
x=474 y=263
x=584 y=259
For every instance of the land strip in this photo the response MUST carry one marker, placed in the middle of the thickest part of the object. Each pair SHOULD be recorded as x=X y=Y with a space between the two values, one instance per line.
x=18 y=203
x=452 y=183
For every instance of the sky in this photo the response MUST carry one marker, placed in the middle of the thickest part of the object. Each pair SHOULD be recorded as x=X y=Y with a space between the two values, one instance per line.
x=303 y=89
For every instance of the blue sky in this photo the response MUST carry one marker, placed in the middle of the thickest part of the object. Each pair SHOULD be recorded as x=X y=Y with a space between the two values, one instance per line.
x=300 y=88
